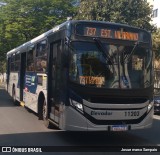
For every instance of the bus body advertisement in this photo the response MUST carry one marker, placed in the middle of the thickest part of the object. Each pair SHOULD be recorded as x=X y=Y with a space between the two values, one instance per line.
x=86 y=76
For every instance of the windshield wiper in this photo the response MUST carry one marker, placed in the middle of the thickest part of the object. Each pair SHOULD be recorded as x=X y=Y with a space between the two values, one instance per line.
x=102 y=50
x=127 y=57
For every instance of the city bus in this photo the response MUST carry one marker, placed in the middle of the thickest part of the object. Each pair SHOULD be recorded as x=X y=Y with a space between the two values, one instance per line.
x=85 y=76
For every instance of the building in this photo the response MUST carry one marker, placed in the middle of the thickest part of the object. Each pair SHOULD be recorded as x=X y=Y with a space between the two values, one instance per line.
x=150 y=1
x=156 y=12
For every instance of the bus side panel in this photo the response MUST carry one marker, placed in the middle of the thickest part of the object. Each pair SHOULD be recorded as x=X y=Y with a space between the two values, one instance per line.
x=30 y=96
x=34 y=85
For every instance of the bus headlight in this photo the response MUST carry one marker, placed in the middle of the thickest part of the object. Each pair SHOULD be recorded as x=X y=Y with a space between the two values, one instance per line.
x=150 y=105
x=77 y=105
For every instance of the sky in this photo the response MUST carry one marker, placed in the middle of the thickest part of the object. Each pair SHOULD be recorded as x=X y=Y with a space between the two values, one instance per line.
x=1 y=3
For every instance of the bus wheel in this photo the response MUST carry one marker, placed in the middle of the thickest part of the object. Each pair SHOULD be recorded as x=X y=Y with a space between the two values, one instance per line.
x=14 y=96
x=45 y=115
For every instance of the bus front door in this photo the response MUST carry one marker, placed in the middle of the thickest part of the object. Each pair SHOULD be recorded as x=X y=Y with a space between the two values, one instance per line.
x=55 y=80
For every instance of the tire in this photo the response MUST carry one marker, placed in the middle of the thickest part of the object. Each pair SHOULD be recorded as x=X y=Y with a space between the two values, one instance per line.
x=14 y=97
x=46 y=121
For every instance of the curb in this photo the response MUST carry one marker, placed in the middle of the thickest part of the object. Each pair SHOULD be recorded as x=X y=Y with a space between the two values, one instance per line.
x=22 y=104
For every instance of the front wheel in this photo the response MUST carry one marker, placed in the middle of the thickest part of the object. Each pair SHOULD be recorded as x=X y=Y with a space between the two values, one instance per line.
x=46 y=121
x=14 y=96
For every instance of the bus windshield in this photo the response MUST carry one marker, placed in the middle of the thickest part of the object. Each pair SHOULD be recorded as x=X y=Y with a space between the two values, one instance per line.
x=117 y=66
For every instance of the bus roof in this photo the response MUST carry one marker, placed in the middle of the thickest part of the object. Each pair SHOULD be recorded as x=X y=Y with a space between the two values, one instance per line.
x=34 y=40
x=58 y=27
x=109 y=24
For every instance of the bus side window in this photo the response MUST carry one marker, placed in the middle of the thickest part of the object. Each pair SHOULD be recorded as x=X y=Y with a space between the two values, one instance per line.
x=41 y=56
x=30 y=59
x=12 y=62
x=17 y=62
x=41 y=49
x=57 y=80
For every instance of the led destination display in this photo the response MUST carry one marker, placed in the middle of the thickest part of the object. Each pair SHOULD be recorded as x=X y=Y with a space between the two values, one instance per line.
x=112 y=32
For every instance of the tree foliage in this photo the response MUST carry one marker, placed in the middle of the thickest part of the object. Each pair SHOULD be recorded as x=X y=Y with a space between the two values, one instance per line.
x=156 y=44
x=22 y=20
x=133 y=12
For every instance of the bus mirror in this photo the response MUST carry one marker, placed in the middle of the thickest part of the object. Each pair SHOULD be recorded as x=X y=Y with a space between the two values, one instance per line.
x=67 y=41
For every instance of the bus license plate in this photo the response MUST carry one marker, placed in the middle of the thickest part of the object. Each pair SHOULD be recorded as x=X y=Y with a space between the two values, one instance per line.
x=119 y=128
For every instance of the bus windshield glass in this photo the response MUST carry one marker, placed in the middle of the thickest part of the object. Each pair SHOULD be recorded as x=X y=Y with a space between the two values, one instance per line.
x=106 y=65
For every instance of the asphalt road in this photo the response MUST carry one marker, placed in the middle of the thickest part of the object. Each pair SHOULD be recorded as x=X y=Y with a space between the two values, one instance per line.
x=20 y=127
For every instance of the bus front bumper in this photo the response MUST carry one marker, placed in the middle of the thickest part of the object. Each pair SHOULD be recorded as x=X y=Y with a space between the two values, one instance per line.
x=75 y=121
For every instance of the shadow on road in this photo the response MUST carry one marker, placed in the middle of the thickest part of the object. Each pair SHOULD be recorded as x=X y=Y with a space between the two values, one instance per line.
x=151 y=134
x=64 y=138
x=5 y=99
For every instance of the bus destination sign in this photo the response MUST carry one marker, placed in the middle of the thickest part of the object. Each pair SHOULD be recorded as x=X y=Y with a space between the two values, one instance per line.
x=110 y=33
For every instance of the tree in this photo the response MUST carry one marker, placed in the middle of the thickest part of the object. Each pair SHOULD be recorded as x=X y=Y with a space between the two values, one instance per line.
x=25 y=19
x=156 y=44
x=22 y=20
x=132 y=12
